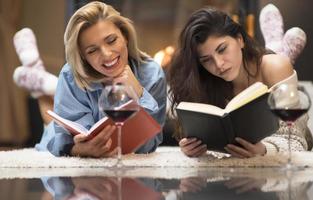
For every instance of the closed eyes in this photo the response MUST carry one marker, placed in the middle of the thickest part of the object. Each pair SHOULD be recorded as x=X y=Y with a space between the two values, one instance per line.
x=91 y=51
x=111 y=39
x=221 y=49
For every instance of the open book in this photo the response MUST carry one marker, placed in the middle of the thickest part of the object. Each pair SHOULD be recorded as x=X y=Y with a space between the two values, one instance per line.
x=135 y=131
x=247 y=116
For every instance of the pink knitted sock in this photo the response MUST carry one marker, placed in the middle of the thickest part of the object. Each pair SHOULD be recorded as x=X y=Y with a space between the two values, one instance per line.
x=37 y=81
x=26 y=48
x=272 y=27
x=293 y=43
x=32 y=74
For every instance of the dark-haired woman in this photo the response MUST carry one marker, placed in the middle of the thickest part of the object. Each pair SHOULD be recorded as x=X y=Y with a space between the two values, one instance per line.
x=216 y=60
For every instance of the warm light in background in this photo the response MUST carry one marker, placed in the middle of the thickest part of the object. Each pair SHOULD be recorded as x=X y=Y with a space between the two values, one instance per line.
x=158 y=57
x=164 y=56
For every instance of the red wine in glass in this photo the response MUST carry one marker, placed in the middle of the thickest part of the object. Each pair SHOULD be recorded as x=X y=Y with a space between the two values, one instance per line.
x=120 y=116
x=289 y=115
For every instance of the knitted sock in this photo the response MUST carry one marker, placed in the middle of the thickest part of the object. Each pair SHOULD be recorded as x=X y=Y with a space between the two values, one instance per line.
x=37 y=81
x=293 y=43
x=272 y=27
x=26 y=48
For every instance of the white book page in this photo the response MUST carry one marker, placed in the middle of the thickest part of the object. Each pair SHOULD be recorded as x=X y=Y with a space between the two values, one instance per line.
x=72 y=124
x=252 y=92
x=124 y=105
x=97 y=124
x=201 y=107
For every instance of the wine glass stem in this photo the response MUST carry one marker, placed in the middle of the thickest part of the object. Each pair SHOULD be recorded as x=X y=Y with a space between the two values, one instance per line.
x=119 y=144
x=119 y=179
x=289 y=124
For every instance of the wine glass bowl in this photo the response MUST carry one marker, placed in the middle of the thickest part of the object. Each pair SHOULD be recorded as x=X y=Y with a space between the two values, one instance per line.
x=289 y=102
x=118 y=102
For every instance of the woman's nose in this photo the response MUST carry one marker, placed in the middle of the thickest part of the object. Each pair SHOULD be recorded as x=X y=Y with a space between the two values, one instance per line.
x=219 y=62
x=106 y=52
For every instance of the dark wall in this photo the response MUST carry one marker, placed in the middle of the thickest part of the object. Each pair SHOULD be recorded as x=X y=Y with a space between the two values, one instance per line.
x=298 y=13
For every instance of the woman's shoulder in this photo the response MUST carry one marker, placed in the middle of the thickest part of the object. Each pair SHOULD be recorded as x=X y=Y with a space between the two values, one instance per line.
x=275 y=68
x=66 y=69
x=149 y=63
x=66 y=77
x=67 y=73
x=150 y=68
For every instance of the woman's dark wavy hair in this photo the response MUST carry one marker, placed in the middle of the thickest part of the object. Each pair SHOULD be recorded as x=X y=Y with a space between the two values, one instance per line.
x=188 y=79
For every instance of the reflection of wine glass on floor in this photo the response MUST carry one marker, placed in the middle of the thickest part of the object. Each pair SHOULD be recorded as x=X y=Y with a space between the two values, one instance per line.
x=119 y=102
x=289 y=102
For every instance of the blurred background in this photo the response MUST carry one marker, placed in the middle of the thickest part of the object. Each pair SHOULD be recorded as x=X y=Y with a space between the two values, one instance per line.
x=158 y=24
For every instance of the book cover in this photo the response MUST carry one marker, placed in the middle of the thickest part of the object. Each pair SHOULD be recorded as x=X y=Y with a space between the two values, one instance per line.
x=216 y=127
x=135 y=132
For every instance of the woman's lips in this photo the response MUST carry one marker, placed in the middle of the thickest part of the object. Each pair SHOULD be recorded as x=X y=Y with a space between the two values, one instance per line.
x=225 y=72
x=112 y=67
x=111 y=63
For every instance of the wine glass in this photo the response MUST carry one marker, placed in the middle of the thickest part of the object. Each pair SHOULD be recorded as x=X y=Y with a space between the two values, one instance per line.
x=289 y=102
x=118 y=102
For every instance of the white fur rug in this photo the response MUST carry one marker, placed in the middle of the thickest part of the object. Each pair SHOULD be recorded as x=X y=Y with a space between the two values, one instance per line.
x=163 y=157
x=30 y=163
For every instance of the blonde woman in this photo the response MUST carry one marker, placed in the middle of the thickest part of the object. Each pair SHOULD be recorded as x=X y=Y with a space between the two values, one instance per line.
x=100 y=44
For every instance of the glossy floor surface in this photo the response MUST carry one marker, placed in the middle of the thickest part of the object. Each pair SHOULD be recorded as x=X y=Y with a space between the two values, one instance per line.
x=166 y=183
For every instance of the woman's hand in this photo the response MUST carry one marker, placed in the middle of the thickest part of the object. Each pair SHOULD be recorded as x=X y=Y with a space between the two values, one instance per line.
x=97 y=147
x=127 y=77
x=94 y=188
x=247 y=150
x=245 y=184
x=192 y=147
x=192 y=184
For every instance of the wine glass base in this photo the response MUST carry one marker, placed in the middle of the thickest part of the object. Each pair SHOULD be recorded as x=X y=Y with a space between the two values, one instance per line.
x=291 y=167
x=119 y=164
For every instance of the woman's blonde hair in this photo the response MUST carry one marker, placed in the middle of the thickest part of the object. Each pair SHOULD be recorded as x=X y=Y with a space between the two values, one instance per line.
x=84 y=18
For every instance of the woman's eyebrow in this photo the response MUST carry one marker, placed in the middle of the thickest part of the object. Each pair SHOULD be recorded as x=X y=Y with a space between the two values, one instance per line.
x=219 y=46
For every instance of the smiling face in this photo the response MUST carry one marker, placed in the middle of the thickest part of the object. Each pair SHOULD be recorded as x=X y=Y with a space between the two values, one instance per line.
x=105 y=48
x=221 y=56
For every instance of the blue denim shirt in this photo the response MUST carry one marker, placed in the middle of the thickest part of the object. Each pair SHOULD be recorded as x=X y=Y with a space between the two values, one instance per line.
x=81 y=106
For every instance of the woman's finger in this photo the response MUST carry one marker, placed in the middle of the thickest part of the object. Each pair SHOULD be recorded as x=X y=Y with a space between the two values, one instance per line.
x=196 y=151
x=186 y=141
x=247 y=145
x=119 y=80
x=192 y=147
x=240 y=151
x=107 y=146
x=255 y=149
x=200 y=151
x=111 y=153
x=80 y=138
x=233 y=153
x=103 y=136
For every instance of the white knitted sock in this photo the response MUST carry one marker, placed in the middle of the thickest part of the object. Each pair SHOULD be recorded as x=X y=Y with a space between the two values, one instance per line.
x=272 y=27
x=294 y=42
x=38 y=82
x=26 y=48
